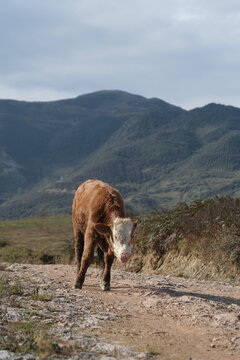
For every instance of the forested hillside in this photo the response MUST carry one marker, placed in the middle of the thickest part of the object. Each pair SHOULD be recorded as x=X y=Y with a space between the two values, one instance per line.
x=155 y=153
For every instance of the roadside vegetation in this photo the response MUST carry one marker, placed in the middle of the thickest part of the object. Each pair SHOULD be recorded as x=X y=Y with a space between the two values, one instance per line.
x=201 y=240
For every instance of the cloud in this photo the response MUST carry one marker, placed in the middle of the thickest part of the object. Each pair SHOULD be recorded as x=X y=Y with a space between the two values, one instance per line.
x=183 y=51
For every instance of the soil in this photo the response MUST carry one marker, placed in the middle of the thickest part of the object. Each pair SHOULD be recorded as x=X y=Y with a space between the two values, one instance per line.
x=167 y=317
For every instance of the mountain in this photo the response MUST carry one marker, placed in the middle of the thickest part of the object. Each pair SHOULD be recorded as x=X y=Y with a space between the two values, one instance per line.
x=155 y=153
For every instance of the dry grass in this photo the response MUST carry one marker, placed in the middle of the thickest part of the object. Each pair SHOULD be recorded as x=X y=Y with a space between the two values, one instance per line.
x=207 y=230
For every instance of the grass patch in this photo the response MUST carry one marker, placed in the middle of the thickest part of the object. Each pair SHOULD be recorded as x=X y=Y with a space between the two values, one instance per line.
x=181 y=275
x=24 y=337
x=39 y=240
x=3 y=243
x=31 y=313
x=153 y=352
x=17 y=337
x=8 y=287
x=40 y=297
x=46 y=346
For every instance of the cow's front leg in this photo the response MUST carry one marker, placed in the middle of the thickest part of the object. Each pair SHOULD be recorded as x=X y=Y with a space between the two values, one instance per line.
x=87 y=258
x=105 y=281
x=79 y=246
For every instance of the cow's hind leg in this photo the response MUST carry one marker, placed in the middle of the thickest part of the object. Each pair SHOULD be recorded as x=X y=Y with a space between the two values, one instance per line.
x=100 y=255
x=87 y=258
x=100 y=261
x=105 y=282
x=79 y=246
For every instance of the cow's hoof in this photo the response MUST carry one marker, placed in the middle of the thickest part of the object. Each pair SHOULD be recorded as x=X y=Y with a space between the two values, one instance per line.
x=77 y=286
x=105 y=287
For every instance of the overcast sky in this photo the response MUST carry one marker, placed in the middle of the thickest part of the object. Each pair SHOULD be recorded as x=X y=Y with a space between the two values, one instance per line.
x=186 y=52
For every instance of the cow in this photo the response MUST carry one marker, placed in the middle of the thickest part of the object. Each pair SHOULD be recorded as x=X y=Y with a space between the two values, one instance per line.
x=99 y=221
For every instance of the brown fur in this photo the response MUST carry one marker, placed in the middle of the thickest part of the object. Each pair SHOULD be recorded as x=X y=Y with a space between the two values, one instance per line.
x=95 y=203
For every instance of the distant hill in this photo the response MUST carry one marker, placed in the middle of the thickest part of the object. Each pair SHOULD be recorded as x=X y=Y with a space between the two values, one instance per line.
x=155 y=153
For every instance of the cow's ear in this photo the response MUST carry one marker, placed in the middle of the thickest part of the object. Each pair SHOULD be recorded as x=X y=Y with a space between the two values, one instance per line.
x=134 y=224
x=103 y=229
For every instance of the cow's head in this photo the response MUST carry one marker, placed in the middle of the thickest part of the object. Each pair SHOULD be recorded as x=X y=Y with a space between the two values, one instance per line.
x=120 y=236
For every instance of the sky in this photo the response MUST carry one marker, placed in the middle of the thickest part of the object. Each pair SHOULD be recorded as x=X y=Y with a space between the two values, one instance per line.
x=186 y=52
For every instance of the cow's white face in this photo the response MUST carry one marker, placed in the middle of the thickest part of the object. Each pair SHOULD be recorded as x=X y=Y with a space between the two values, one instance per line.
x=119 y=236
x=122 y=231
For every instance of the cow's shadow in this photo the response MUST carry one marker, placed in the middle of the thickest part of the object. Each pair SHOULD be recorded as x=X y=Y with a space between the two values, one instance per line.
x=167 y=291
x=179 y=293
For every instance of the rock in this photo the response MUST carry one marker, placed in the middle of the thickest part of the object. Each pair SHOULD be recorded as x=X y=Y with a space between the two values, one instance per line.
x=151 y=302
x=227 y=318
x=120 y=352
x=185 y=298
x=236 y=340
x=7 y=355
x=13 y=314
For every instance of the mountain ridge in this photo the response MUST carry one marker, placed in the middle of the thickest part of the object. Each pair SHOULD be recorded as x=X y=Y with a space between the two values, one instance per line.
x=155 y=153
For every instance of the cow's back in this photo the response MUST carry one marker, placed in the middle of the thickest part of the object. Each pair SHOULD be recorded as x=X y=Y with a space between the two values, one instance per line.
x=96 y=201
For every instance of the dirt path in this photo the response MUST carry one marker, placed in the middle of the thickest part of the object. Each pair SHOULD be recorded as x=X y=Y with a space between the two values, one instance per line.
x=172 y=318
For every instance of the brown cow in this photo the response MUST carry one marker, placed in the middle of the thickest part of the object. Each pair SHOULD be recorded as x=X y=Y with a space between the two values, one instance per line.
x=99 y=219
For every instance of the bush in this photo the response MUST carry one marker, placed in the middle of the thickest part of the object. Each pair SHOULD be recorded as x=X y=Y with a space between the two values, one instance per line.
x=205 y=228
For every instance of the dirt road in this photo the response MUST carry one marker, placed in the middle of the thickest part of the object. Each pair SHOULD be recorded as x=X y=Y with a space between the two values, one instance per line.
x=169 y=318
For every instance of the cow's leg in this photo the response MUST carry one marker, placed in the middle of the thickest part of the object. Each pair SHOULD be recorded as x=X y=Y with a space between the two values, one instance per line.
x=106 y=258
x=105 y=281
x=100 y=257
x=87 y=258
x=100 y=262
x=79 y=246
